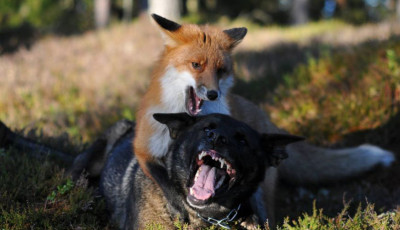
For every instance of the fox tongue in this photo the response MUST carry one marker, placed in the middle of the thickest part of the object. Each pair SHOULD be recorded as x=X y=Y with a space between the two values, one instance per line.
x=203 y=187
x=194 y=102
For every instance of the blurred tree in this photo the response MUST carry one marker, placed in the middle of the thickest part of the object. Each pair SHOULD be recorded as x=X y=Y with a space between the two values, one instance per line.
x=398 y=10
x=202 y=6
x=102 y=13
x=299 y=12
x=170 y=9
x=185 y=10
x=128 y=9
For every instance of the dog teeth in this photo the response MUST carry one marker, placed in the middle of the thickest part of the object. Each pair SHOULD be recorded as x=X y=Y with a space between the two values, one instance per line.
x=223 y=162
x=202 y=154
x=220 y=181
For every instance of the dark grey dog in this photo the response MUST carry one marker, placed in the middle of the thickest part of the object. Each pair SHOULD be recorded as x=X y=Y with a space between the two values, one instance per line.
x=209 y=176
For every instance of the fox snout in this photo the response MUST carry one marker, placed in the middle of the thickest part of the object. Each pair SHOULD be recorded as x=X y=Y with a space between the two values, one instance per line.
x=208 y=94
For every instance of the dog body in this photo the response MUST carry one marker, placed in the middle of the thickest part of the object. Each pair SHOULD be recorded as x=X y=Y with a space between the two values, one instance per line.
x=214 y=164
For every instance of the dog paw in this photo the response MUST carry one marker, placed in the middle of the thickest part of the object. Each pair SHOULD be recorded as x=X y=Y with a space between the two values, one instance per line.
x=383 y=157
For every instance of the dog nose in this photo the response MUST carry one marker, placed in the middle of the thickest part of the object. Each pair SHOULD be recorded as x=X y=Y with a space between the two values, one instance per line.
x=216 y=138
x=212 y=95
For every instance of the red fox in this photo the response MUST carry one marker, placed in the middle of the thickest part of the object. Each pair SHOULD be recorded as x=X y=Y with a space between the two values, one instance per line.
x=195 y=74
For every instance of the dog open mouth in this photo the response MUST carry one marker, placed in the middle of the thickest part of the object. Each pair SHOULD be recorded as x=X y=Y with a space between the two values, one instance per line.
x=193 y=102
x=213 y=174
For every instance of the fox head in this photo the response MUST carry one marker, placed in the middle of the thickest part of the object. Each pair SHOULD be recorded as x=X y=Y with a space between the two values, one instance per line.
x=198 y=64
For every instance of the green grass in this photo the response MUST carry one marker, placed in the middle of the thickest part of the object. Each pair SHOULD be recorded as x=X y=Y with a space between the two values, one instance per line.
x=35 y=194
x=364 y=218
x=340 y=93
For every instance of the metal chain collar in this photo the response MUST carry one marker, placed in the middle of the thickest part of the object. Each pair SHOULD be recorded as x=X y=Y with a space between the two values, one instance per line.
x=224 y=222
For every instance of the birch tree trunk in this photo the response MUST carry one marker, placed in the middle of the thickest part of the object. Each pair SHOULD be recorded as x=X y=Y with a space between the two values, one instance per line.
x=398 y=10
x=299 y=12
x=102 y=10
x=170 y=9
x=128 y=9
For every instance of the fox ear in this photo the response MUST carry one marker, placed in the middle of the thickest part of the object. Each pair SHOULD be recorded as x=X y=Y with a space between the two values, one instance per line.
x=176 y=122
x=165 y=23
x=236 y=34
x=275 y=146
x=168 y=27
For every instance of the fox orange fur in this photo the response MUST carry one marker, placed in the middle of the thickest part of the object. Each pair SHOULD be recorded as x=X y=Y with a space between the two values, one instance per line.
x=195 y=63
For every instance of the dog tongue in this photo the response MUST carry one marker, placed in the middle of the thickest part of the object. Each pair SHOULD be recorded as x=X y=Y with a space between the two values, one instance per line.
x=203 y=187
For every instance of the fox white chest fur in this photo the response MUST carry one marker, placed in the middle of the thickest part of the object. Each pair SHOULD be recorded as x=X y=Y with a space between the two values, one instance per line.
x=174 y=85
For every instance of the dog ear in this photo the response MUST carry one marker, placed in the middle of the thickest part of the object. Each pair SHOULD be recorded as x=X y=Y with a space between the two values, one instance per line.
x=168 y=28
x=275 y=146
x=236 y=35
x=176 y=122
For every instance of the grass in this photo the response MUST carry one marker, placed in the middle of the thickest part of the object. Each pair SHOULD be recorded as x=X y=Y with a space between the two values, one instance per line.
x=340 y=93
x=34 y=194
x=334 y=83
x=364 y=218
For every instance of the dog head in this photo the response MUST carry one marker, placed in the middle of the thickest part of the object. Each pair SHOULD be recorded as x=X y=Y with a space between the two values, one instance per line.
x=198 y=61
x=216 y=162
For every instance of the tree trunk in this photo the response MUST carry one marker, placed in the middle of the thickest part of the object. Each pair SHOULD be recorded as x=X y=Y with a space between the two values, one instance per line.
x=128 y=9
x=185 y=10
x=102 y=13
x=299 y=12
x=170 y=9
x=398 y=10
x=202 y=6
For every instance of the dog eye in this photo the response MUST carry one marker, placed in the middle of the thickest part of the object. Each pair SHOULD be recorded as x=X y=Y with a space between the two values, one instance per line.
x=196 y=65
x=241 y=139
x=210 y=127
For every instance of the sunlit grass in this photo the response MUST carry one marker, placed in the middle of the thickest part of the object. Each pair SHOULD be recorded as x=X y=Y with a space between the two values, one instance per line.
x=340 y=93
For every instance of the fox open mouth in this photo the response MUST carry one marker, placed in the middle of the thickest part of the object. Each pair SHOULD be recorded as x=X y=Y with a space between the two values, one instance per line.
x=193 y=102
x=212 y=174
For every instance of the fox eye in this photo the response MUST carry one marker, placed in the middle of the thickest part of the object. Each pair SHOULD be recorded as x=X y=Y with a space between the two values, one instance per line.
x=196 y=65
